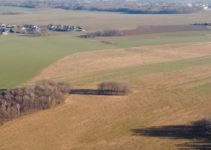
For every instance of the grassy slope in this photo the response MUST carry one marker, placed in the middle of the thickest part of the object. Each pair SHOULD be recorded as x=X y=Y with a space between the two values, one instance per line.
x=21 y=58
x=105 y=122
x=159 y=39
x=135 y=71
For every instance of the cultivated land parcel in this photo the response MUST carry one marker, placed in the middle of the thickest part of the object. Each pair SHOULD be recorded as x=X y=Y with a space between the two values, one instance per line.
x=169 y=73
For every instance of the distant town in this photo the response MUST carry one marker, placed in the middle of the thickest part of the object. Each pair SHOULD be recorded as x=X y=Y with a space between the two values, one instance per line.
x=32 y=29
x=124 y=6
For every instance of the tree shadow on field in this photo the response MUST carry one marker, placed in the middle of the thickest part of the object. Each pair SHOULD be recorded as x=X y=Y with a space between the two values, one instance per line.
x=199 y=137
x=93 y=92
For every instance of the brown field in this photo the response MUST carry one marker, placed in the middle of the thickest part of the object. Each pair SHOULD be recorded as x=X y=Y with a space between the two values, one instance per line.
x=162 y=29
x=88 y=122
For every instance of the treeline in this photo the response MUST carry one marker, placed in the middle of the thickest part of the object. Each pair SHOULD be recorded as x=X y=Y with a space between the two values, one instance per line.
x=20 y=101
x=104 y=33
x=113 y=88
x=44 y=95
x=202 y=24
x=149 y=10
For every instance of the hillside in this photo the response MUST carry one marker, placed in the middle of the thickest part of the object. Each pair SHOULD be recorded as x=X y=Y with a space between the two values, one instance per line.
x=164 y=59
x=169 y=79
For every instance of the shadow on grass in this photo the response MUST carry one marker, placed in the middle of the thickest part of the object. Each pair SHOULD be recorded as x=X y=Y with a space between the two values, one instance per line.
x=94 y=92
x=200 y=138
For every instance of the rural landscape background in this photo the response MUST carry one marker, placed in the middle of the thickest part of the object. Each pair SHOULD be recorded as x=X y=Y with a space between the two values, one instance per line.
x=164 y=58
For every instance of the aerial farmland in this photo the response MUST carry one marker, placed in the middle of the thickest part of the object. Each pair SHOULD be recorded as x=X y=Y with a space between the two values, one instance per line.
x=135 y=81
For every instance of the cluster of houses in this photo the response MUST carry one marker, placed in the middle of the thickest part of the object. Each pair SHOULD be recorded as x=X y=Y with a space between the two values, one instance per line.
x=5 y=29
x=64 y=28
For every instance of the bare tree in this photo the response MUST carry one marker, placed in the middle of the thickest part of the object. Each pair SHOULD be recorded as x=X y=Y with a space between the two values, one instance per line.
x=42 y=95
x=114 y=88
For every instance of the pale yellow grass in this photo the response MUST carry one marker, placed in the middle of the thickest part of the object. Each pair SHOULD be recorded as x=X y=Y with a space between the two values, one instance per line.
x=101 y=122
x=87 y=122
x=79 y=65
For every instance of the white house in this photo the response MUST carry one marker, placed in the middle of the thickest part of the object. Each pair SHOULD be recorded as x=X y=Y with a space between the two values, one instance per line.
x=5 y=33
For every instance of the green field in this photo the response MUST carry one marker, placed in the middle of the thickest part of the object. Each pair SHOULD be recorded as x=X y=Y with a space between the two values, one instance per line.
x=159 y=39
x=21 y=58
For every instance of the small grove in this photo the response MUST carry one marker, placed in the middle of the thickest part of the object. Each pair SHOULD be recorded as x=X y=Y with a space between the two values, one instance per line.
x=113 y=88
x=20 y=101
x=44 y=95
x=104 y=33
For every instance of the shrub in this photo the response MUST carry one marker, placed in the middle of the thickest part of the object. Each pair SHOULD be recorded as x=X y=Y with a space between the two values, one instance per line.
x=64 y=87
x=113 y=88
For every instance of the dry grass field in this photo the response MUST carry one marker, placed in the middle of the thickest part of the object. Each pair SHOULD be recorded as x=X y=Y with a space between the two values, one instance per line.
x=167 y=83
x=169 y=75
x=78 y=66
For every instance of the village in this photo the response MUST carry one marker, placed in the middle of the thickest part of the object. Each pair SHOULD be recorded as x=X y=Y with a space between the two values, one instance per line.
x=31 y=29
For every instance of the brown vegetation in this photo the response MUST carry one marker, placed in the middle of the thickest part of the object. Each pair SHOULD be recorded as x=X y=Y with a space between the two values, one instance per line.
x=105 y=33
x=42 y=95
x=146 y=30
x=113 y=88
x=163 y=29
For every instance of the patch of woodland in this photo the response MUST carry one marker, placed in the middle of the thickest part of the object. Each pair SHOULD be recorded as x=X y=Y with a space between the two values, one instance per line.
x=104 y=33
x=39 y=96
x=113 y=88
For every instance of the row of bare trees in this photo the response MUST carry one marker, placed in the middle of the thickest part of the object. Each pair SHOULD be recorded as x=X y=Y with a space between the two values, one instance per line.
x=203 y=126
x=104 y=33
x=113 y=88
x=42 y=95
